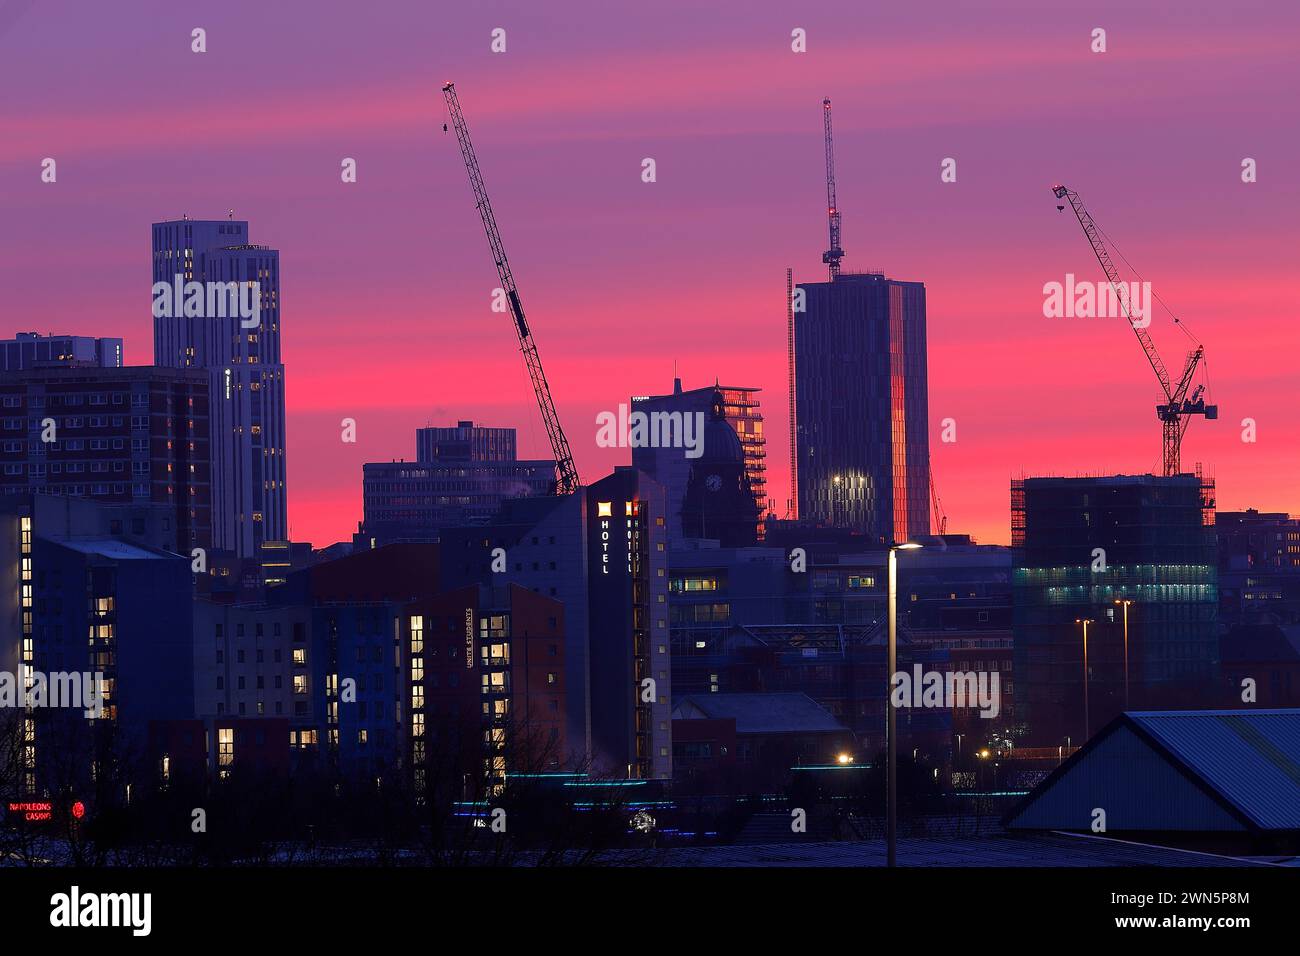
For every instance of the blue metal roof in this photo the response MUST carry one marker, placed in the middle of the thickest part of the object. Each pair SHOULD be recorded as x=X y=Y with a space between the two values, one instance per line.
x=1251 y=758
x=1177 y=771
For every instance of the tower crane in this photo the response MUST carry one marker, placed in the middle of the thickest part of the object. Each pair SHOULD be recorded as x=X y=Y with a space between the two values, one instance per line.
x=832 y=255
x=566 y=473
x=938 y=517
x=1178 y=407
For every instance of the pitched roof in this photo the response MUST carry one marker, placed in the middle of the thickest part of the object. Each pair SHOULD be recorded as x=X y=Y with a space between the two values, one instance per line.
x=1247 y=762
x=1250 y=758
x=760 y=713
x=115 y=548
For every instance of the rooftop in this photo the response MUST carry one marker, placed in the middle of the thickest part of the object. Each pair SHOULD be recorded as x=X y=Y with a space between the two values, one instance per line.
x=760 y=713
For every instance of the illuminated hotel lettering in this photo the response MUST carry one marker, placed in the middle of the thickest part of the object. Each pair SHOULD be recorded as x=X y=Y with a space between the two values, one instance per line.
x=632 y=539
x=604 y=511
x=469 y=638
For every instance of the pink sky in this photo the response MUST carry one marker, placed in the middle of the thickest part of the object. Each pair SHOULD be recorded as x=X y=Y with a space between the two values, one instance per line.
x=387 y=282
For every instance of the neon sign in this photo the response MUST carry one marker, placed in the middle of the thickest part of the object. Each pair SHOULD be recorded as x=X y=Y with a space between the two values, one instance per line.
x=33 y=812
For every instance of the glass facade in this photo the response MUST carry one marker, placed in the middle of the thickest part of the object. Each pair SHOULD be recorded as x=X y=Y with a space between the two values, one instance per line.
x=862 y=407
x=1083 y=544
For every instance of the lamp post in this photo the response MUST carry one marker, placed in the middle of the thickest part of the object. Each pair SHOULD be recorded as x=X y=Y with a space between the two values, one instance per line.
x=1125 y=603
x=891 y=721
x=1085 y=621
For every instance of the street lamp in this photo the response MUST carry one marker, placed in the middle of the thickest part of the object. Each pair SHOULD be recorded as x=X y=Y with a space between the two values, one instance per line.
x=1085 y=621
x=1125 y=603
x=891 y=722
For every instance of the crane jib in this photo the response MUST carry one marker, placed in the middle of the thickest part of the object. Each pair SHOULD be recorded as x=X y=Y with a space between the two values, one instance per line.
x=567 y=480
x=1175 y=412
x=518 y=311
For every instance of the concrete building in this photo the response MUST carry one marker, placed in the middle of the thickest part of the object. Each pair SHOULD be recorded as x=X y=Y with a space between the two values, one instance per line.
x=1083 y=544
x=861 y=406
x=353 y=688
x=1259 y=567
x=89 y=591
x=251 y=661
x=33 y=350
x=135 y=434
x=190 y=754
x=243 y=366
x=484 y=678
x=1265 y=658
x=739 y=408
x=460 y=476
x=603 y=555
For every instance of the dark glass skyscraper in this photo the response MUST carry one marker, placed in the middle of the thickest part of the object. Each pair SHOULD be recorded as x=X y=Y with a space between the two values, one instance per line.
x=245 y=374
x=862 y=406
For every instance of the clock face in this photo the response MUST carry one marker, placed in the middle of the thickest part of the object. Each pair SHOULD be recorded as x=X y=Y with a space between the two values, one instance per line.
x=713 y=482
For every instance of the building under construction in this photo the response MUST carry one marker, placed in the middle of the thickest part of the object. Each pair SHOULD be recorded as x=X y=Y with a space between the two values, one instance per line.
x=1098 y=550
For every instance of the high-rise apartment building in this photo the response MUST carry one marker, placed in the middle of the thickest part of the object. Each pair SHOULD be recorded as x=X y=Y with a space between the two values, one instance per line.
x=134 y=434
x=602 y=553
x=94 y=588
x=241 y=355
x=862 y=407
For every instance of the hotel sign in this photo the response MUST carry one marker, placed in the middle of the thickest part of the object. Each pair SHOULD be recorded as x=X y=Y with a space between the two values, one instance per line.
x=605 y=525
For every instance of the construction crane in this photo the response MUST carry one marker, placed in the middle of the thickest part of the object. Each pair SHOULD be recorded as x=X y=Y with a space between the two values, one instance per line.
x=1176 y=412
x=832 y=255
x=566 y=473
x=792 y=506
x=937 y=517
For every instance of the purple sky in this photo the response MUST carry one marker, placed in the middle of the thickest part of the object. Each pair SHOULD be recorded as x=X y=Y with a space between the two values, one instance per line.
x=387 y=282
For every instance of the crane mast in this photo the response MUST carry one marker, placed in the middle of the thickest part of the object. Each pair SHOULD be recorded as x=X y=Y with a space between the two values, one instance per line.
x=566 y=473
x=1176 y=411
x=832 y=255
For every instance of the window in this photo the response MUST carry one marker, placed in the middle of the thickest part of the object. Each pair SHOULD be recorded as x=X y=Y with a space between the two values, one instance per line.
x=225 y=749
